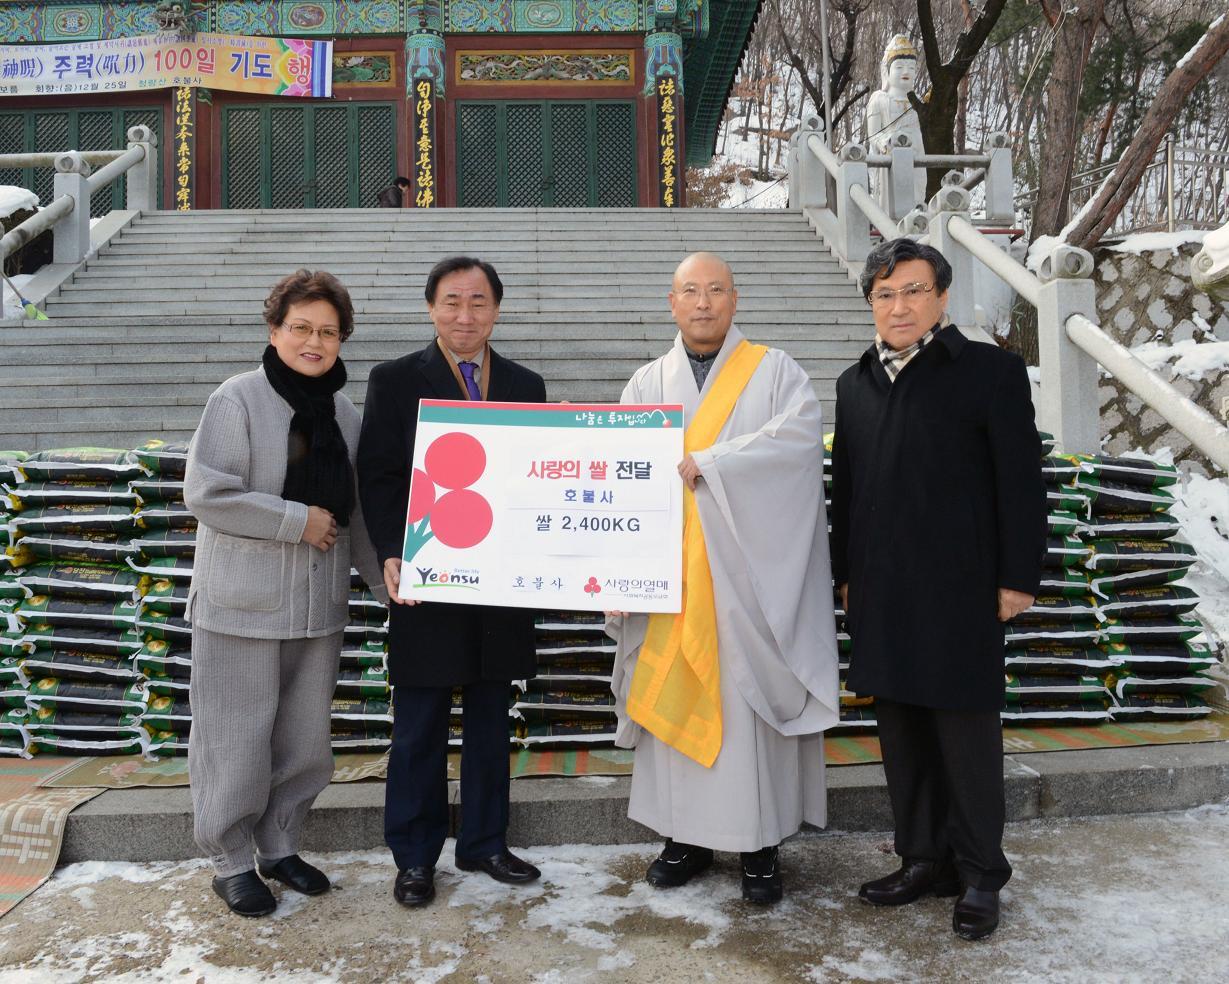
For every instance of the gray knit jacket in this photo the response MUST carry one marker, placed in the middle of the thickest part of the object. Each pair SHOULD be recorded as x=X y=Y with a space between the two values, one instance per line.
x=252 y=576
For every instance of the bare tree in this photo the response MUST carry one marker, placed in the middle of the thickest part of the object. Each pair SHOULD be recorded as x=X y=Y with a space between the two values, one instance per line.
x=1175 y=90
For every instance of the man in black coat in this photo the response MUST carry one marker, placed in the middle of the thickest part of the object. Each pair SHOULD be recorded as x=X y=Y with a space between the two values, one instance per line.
x=938 y=532
x=434 y=647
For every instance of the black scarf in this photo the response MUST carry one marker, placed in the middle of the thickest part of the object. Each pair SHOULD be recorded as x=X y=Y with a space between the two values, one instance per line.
x=318 y=469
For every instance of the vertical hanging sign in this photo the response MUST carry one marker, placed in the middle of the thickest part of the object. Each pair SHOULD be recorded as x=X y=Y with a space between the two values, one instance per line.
x=424 y=143
x=667 y=119
x=185 y=138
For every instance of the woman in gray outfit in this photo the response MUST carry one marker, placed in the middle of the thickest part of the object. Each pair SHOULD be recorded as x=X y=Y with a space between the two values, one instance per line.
x=271 y=481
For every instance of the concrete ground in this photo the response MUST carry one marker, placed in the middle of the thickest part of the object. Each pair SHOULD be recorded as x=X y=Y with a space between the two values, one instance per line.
x=1119 y=898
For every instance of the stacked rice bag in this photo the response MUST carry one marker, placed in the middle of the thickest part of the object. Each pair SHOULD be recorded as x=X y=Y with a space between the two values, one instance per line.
x=569 y=701
x=361 y=716
x=1136 y=558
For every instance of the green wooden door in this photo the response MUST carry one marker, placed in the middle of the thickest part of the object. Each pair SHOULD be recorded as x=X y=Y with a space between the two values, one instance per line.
x=531 y=154
x=31 y=131
x=276 y=155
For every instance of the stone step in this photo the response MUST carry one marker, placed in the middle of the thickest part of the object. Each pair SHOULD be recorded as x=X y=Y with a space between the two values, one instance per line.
x=523 y=287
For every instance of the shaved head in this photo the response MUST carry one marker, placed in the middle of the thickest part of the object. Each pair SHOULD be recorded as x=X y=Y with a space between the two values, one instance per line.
x=707 y=258
x=703 y=301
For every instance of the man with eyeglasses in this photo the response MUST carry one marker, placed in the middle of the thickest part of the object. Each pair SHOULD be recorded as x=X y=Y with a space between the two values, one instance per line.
x=434 y=647
x=726 y=702
x=938 y=532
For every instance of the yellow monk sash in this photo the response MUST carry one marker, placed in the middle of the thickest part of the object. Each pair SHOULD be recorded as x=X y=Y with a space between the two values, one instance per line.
x=675 y=692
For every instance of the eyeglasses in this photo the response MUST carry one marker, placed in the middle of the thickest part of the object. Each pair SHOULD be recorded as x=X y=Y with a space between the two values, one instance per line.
x=716 y=292
x=912 y=293
x=302 y=331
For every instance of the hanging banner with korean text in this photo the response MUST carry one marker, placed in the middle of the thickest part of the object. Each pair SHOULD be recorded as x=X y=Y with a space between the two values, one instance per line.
x=424 y=144
x=263 y=66
x=560 y=506
x=667 y=144
x=185 y=139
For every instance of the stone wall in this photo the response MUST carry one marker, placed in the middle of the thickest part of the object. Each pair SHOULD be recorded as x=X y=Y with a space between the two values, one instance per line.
x=1147 y=296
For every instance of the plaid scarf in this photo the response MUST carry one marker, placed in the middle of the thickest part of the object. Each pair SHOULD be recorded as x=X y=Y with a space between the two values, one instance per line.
x=895 y=360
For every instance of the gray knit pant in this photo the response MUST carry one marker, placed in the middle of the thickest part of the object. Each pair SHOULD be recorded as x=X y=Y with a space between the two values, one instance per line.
x=258 y=753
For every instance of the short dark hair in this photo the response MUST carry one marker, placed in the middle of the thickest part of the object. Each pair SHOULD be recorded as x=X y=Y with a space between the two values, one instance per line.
x=883 y=258
x=402 y=182
x=304 y=285
x=456 y=264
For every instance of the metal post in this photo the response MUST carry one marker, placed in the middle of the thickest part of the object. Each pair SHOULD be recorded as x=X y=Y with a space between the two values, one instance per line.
x=951 y=201
x=71 y=239
x=808 y=179
x=826 y=67
x=855 y=228
x=1169 y=178
x=1000 y=187
x=900 y=176
x=142 y=178
x=1070 y=401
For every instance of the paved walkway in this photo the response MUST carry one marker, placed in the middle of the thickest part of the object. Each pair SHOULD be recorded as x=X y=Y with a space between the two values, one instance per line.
x=1125 y=898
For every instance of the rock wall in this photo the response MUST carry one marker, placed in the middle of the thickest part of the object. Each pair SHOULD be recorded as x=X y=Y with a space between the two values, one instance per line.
x=1146 y=296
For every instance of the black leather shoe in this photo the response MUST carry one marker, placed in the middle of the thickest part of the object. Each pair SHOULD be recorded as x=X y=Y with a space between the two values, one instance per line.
x=678 y=864
x=415 y=886
x=294 y=872
x=503 y=867
x=914 y=879
x=762 y=876
x=976 y=915
x=245 y=894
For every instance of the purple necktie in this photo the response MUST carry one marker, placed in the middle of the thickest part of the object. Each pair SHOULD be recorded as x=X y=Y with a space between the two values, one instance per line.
x=467 y=371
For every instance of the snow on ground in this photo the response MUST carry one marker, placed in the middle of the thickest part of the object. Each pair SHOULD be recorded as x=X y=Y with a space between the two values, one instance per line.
x=13 y=199
x=1097 y=899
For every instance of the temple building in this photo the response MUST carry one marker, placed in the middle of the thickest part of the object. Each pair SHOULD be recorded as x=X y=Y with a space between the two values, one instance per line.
x=480 y=103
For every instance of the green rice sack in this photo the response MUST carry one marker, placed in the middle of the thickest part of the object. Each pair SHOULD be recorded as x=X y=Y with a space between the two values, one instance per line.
x=1162 y=657
x=364 y=655
x=90 y=613
x=1069 y=582
x=159 y=658
x=11 y=674
x=857 y=719
x=159 y=458
x=165 y=685
x=562 y=731
x=363 y=601
x=39 y=495
x=165 y=543
x=1131 y=685
x=164 y=744
x=167 y=714
x=1059 y=608
x=1062 y=687
x=1064 y=551
x=1064 y=498
x=82 y=465
x=1116 y=497
x=95 y=581
x=1081 y=632
x=1104 y=585
x=58 y=744
x=166 y=596
x=1056 y=658
x=1130 y=526
x=101 y=640
x=369 y=682
x=72 y=548
x=1139 y=555
x=359 y=741
x=1060 y=523
x=78 y=664
x=1172 y=628
x=10 y=466
x=87 y=695
x=75 y=517
x=164 y=568
x=88 y=725
x=1057 y=711
x=366 y=711
x=156 y=489
x=165 y=515
x=1139 y=472
x=1160 y=707
x=1150 y=601
x=365 y=628
x=1059 y=469
x=169 y=628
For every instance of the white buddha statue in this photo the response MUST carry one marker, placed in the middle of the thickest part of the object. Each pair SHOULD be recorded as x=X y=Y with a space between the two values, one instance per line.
x=889 y=112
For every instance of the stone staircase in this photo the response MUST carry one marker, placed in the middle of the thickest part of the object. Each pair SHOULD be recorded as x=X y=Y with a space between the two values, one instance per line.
x=172 y=305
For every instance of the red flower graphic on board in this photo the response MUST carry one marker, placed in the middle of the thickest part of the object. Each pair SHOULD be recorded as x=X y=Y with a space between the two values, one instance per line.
x=592 y=587
x=458 y=517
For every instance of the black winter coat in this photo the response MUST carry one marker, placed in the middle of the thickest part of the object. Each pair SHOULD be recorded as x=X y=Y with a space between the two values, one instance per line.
x=937 y=502
x=432 y=644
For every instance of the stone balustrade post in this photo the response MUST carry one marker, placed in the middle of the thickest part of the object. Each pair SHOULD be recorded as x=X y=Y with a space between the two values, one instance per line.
x=900 y=174
x=950 y=201
x=1070 y=404
x=71 y=236
x=142 y=179
x=855 y=227
x=1000 y=187
x=808 y=178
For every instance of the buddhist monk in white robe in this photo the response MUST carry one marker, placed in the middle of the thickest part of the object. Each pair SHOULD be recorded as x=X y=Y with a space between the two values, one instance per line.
x=755 y=772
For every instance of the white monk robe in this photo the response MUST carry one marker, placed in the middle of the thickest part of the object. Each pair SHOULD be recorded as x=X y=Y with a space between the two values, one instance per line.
x=761 y=505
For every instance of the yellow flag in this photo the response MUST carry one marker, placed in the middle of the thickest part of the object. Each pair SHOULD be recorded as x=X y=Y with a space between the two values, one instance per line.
x=675 y=693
